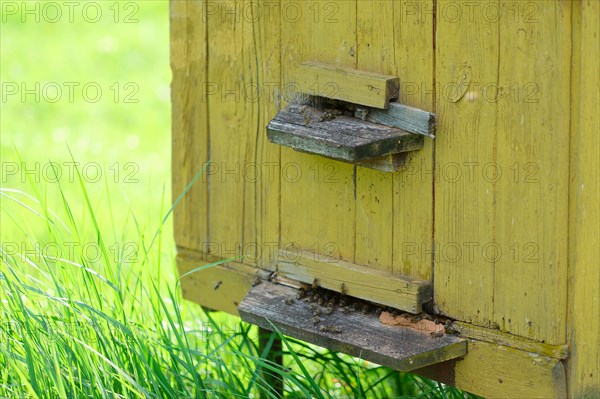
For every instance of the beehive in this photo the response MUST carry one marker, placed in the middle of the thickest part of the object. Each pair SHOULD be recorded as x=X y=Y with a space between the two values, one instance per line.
x=498 y=217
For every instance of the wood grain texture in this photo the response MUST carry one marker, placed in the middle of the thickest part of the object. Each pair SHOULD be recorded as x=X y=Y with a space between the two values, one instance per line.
x=400 y=292
x=339 y=137
x=307 y=180
x=402 y=116
x=513 y=341
x=357 y=334
x=347 y=84
x=583 y=366
x=373 y=191
x=532 y=207
x=244 y=69
x=189 y=115
x=496 y=371
x=412 y=186
x=466 y=50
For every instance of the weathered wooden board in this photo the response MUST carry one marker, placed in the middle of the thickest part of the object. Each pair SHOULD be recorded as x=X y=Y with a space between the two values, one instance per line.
x=410 y=119
x=357 y=334
x=389 y=289
x=243 y=77
x=325 y=133
x=583 y=365
x=374 y=200
x=414 y=57
x=347 y=84
x=189 y=121
x=514 y=341
x=534 y=244
x=466 y=50
x=305 y=179
x=496 y=371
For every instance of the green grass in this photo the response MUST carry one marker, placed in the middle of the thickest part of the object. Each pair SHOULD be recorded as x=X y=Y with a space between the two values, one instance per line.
x=89 y=300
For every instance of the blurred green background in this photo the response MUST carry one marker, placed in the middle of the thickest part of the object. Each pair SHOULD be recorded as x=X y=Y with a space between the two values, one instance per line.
x=56 y=58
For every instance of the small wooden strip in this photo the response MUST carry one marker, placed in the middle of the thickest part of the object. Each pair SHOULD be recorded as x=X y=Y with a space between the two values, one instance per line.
x=347 y=84
x=401 y=116
x=356 y=334
x=399 y=292
x=341 y=137
x=496 y=336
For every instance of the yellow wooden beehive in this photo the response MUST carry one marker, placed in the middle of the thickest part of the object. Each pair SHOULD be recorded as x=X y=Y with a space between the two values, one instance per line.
x=494 y=224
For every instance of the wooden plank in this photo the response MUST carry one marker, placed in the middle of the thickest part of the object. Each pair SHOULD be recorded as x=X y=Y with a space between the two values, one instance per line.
x=305 y=179
x=402 y=116
x=347 y=84
x=496 y=371
x=373 y=192
x=583 y=365
x=340 y=137
x=400 y=292
x=466 y=51
x=357 y=334
x=513 y=341
x=244 y=70
x=532 y=150
x=189 y=120
x=412 y=186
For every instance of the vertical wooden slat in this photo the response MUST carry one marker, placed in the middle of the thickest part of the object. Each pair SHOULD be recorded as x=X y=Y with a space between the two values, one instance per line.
x=317 y=194
x=189 y=126
x=413 y=185
x=243 y=74
x=466 y=51
x=374 y=209
x=530 y=279
x=583 y=365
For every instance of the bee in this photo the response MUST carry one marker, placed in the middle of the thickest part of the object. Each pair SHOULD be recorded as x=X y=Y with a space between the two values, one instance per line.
x=346 y=310
x=343 y=289
x=316 y=312
x=321 y=301
x=365 y=308
x=343 y=302
x=256 y=281
x=329 y=310
x=218 y=284
x=273 y=276
x=437 y=334
x=331 y=329
x=313 y=307
x=289 y=301
x=315 y=320
x=315 y=284
x=426 y=316
x=378 y=311
x=415 y=318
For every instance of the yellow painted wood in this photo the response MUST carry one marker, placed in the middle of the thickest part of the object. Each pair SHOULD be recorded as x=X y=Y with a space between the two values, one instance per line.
x=496 y=371
x=243 y=76
x=189 y=115
x=513 y=341
x=466 y=50
x=384 y=288
x=347 y=84
x=317 y=194
x=531 y=197
x=220 y=287
x=374 y=200
x=583 y=366
x=412 y=202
